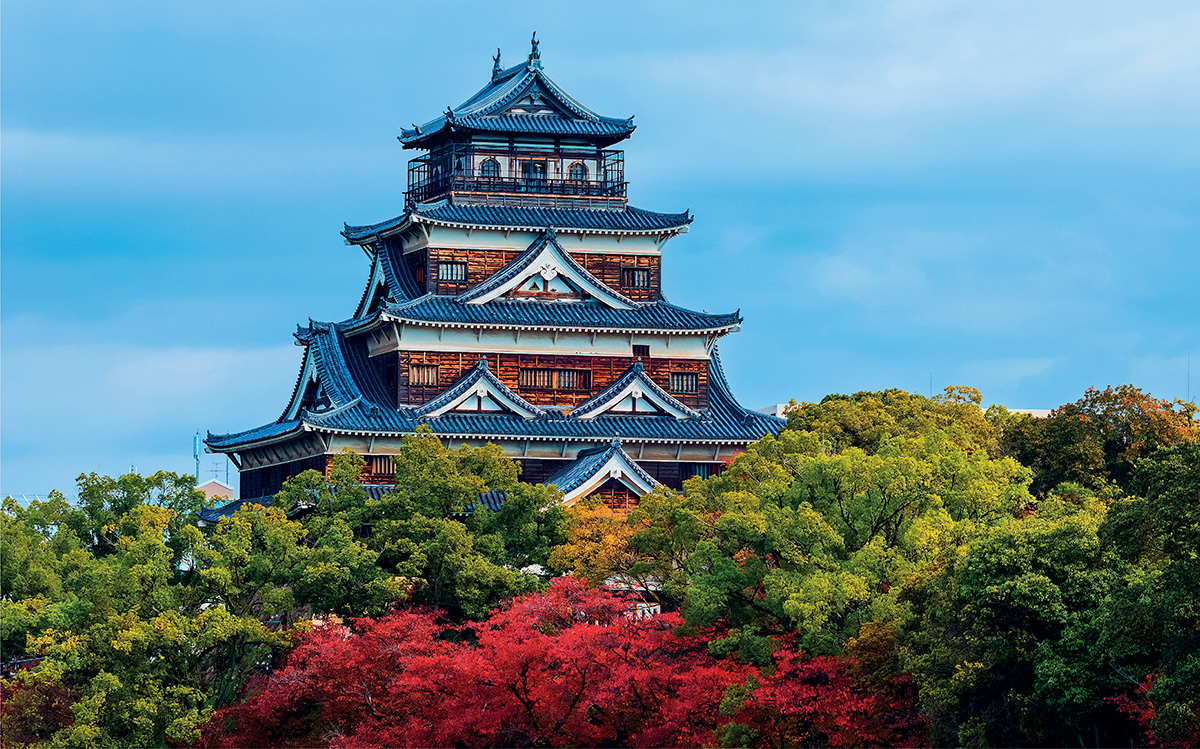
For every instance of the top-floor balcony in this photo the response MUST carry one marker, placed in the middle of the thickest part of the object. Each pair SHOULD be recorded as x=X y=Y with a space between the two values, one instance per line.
x=597 y=175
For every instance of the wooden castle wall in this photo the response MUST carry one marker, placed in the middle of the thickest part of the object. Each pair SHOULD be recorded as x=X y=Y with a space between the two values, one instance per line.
x=604 y=370
x=482 y=264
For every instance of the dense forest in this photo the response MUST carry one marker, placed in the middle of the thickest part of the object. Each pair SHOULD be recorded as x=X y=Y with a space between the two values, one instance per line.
x=890 y=570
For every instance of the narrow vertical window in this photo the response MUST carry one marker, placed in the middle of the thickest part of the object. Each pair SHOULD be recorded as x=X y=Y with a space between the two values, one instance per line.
x=555 y=379
x=635 y=278
x=423 y=375
x=452 y=272
x=683 y=382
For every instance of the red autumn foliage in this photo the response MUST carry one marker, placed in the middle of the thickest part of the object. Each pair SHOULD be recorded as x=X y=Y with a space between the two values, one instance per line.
x=564 y=668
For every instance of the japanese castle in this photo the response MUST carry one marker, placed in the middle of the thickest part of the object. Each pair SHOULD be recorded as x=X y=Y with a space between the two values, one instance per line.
x=516 y=300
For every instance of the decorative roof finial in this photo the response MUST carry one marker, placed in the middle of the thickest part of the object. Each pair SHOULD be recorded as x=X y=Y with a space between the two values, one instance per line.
x=535 y=55
x=496 y=65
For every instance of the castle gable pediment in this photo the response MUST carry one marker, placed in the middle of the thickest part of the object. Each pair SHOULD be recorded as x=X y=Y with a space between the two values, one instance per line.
x=546 y=272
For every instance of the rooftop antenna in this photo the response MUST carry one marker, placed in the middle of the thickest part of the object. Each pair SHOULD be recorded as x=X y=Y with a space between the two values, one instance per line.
x=196 y=453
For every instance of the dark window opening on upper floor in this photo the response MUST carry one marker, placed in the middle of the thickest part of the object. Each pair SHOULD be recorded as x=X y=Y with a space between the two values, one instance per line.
x=533 y=170
x=640 y=351
x=635 y=278
x=489 y=168
x=578 y=171
x=452 y=272
x=555 y=379
x=684 y=382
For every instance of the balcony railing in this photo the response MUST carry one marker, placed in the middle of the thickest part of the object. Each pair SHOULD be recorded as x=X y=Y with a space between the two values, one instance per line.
x=454 y=170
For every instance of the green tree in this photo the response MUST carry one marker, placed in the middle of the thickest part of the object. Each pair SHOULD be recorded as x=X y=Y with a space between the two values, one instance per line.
x=127 y=649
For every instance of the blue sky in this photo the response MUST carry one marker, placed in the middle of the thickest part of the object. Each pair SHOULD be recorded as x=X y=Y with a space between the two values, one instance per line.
x=1002 y=195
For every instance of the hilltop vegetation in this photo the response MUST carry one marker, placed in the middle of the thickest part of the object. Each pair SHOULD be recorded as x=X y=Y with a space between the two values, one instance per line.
x=889 y=570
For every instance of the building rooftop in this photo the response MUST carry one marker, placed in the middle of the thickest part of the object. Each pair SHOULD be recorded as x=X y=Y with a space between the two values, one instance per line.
x=521 y=99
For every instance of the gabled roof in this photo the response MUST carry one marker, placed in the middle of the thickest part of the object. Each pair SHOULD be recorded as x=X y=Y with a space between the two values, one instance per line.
x=593 y=467
x=491 y=396
x=494 y=109
x=547 y=259
x=724 y=421
x=636 y=392
x=213 y=515
x=628 y=220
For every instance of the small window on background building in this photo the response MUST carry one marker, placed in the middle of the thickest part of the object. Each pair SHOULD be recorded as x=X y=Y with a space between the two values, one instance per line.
x=683 y=382
x=635 y=278
x=423 y=375
x=452 y=272
x=642 y=352
x=578 y=172
x=489 y=168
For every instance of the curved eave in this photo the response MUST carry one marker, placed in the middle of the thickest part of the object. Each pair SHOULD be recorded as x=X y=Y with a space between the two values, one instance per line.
x=664 y=231
x=430 y=139
x=723 y=329
x=372 y=233
x=230 y=443
x=498 y=437
x=367 y=235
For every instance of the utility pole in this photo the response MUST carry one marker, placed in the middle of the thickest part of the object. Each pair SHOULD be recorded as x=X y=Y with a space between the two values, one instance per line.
x=196 y=453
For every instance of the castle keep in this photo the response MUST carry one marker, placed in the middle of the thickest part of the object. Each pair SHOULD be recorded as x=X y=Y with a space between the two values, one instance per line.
x=518 y=300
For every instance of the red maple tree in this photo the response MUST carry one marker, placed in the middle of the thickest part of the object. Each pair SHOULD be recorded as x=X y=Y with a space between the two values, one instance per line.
x=568 y=667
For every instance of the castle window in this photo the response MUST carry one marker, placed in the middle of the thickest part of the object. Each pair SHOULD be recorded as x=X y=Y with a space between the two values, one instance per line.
x=534 y=171
x=635 y=278
x=452 y=272
x=683 y=382
x=640 y=351
x=555 y=379
x=423 y=375
x=703 y=470
x=578 y=171
x=489 y=168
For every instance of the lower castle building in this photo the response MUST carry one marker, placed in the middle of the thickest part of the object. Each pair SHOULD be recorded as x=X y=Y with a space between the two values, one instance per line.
x=516 y=300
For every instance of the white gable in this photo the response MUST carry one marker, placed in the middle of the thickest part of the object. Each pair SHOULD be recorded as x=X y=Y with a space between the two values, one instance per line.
x=616 y=467
x=637 y=398
x=483 y=397
x=551 y=272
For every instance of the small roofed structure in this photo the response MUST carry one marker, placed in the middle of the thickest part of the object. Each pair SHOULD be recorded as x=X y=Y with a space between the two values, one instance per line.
x=214 y=489
x=606 y=472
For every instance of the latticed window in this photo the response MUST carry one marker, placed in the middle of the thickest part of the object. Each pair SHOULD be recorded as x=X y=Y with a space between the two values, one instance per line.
x=561 y=379
x=423 y=374
x=489 y=168
x=578 y=171
x=635 y=278
x=641 y=351
x=683 y=382
x=452 y=272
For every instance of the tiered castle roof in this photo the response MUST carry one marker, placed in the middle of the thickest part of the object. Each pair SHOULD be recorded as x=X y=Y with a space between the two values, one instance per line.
x=556 y=181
